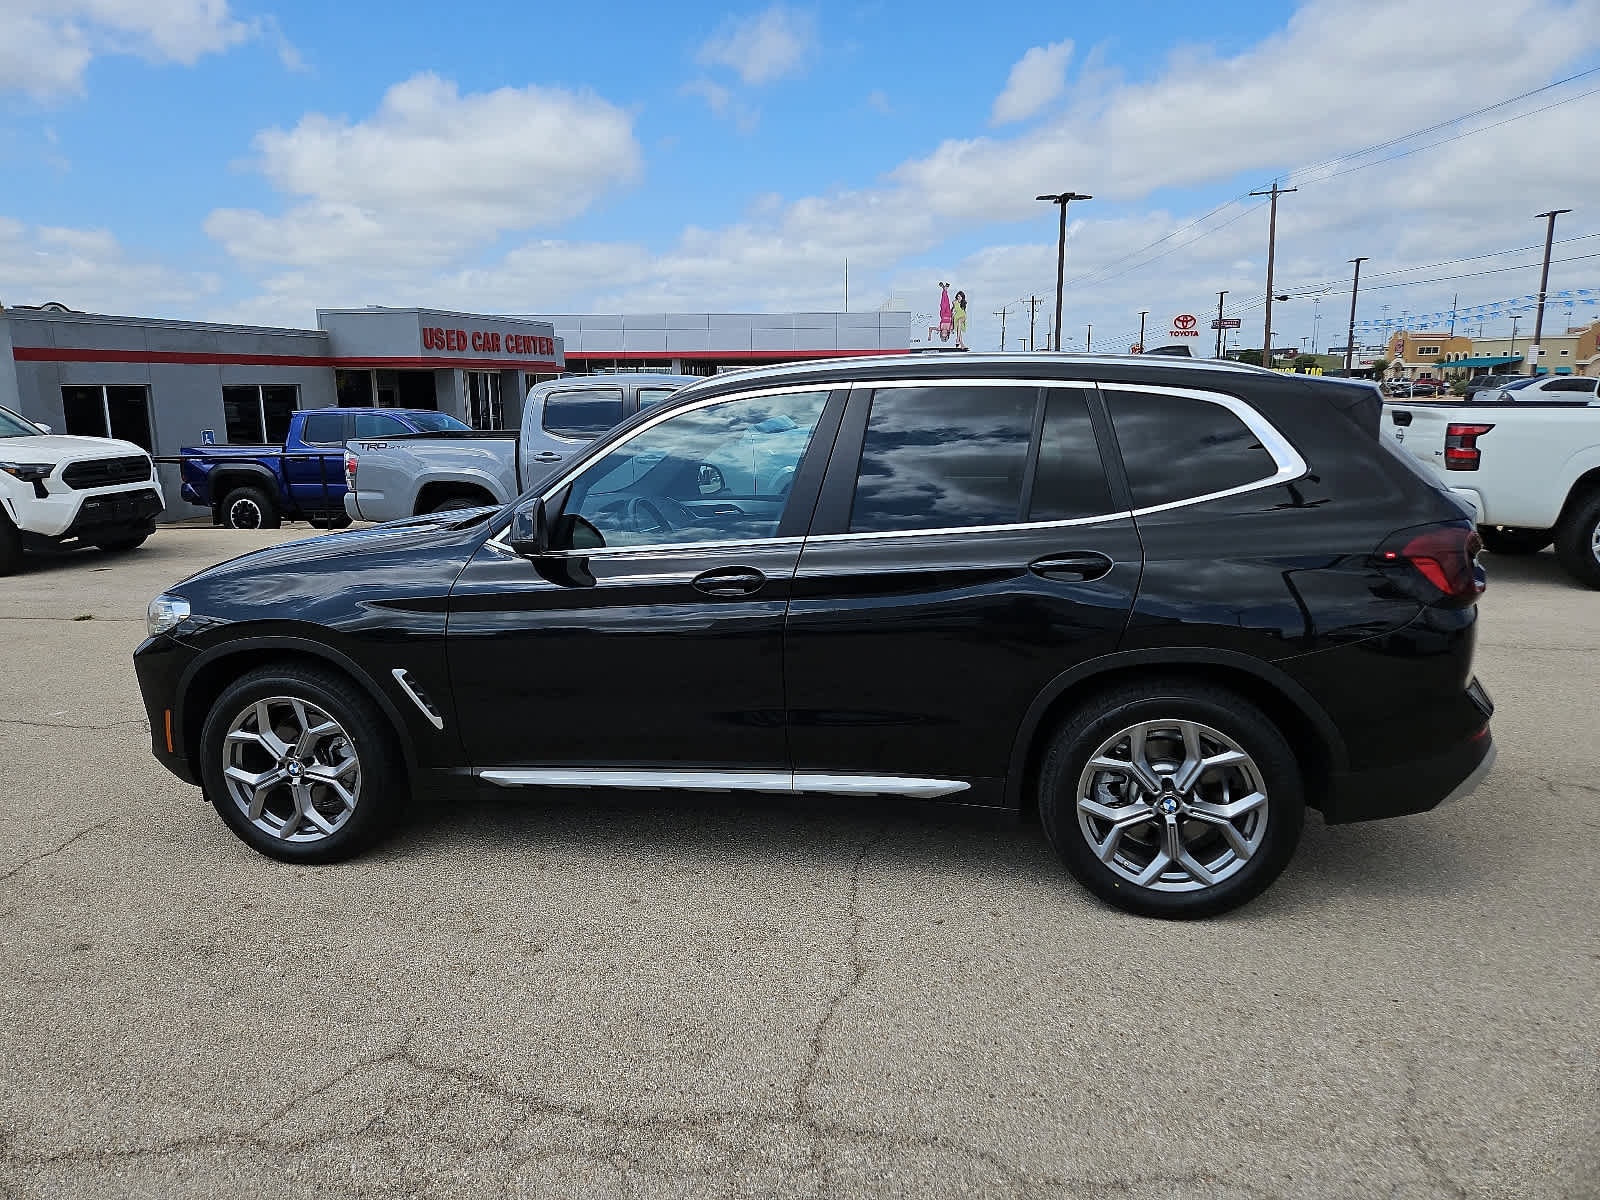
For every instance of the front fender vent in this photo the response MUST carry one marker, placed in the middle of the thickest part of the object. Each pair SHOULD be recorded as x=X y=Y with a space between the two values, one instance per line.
x=418 y=697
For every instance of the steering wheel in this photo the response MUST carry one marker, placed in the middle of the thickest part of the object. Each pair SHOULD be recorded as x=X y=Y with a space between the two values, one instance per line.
x=644 y=516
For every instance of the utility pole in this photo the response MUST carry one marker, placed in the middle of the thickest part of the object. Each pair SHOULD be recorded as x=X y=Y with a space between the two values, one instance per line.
x=1088 y=342
x=1143 y=313
x=1544 y=284
x=1272 y=250
x=1002 y=315
x=1220 y=296
x=1454 y=300
x=1033 y=311
x=1061 y=200
x=1350 y=338
x=847 y=285
x=1514 y=321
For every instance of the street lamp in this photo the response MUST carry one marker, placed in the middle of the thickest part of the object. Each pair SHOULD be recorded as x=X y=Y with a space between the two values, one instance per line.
x=1143 y=313
x=1061 y=200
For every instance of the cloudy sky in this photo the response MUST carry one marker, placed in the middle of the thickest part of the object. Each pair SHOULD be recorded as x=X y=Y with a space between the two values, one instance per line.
x=251 y=160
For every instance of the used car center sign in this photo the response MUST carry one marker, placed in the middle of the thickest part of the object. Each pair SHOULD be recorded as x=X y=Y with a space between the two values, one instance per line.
x=1185 y=325
x=486 y=341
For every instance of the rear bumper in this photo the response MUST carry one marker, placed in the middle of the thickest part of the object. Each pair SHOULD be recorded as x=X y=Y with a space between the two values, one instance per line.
x=1412 y=787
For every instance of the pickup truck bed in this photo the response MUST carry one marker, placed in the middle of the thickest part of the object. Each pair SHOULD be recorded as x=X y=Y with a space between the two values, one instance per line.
x=394 y=477
x=1529 y=470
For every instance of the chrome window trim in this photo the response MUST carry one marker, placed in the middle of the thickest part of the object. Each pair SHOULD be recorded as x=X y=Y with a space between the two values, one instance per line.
x=654 y=779
x=1008 y=527
x=1290 y=464
x=562 y=481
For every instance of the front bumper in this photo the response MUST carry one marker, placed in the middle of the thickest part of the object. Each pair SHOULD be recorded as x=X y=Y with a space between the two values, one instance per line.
x=159 y=664
x=68 y=514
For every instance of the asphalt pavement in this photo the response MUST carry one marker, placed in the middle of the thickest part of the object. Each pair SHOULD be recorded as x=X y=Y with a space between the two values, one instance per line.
x=582 y=994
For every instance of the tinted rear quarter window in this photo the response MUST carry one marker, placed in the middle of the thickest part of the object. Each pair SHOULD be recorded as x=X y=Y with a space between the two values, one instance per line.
x=378 y=425
x=943 y=457
x=582 y=412
x=1178 y=447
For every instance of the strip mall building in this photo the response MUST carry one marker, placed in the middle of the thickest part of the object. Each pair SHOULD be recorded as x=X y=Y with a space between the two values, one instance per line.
x=163 y=383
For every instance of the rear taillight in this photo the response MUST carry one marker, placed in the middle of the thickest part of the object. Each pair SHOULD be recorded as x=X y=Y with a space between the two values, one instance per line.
x=1461 y=451
x=349 y=470
x=1445 y=555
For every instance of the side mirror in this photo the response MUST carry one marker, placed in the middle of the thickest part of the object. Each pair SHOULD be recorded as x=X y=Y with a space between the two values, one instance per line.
x=529 y=535
x=710 y=480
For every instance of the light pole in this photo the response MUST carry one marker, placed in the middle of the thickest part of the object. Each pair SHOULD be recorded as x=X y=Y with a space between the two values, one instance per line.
x=1514 y=321
x=1061 y=200
x=1544 y=284
x=1350 y=338
x=1143 y=313
x=1220 y=297
x=1088 y=341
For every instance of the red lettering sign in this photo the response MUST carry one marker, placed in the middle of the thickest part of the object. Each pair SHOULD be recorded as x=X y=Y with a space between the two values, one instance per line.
x=486 y=341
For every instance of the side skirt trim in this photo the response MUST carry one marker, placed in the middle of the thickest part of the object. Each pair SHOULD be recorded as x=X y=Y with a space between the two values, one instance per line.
x=724 y=781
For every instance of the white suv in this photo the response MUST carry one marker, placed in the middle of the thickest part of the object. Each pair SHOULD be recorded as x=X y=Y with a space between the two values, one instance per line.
x=57 y=490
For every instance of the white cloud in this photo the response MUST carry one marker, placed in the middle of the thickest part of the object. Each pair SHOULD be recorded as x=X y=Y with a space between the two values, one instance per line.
x=767 y=46
x=716 y=96
x=1037 y=79
x=430 y=175
x=88 y=269
x=48 y=44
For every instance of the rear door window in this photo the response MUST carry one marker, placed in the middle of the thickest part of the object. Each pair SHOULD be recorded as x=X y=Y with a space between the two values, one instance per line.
x=1180 y=447
x=1070 y=481
x=582 y=412
x=323 y=429
x=943 y=457
x=655 y=395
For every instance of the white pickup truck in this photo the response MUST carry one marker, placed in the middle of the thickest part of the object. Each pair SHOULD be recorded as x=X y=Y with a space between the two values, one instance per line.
x=1530 y=469
x=71 y=491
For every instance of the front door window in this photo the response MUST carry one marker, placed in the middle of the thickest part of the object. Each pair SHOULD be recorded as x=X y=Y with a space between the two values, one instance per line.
x=721 y=472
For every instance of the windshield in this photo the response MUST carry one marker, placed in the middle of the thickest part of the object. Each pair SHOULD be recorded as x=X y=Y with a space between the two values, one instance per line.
x=431 y=422
x=11 y=425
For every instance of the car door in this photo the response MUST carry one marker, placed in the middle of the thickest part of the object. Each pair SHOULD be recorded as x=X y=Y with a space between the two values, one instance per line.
x=314 y=470
x=969 y=548
x=646 y=648
x=569 y=419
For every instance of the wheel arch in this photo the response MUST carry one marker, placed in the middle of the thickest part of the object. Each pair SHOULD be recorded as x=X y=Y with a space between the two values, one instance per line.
x=1311 y=733
x=205 y=678
x=436 y=491
x=223 y=480
x=1582 y=488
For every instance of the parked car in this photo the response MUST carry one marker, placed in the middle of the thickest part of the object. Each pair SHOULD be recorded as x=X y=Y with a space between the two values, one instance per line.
x=1488 y=383
x=66 y=491
x=1167 y=603
x=260 y=487
x=1527 y=465
x=391 y=478
x=1545 y=389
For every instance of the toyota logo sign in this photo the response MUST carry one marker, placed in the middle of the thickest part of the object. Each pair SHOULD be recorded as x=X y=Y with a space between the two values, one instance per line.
x=1183 y=326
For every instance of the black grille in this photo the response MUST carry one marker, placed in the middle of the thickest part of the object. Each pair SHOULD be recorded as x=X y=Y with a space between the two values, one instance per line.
x=105 y=472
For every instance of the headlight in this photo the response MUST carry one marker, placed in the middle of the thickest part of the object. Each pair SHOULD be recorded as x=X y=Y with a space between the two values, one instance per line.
x=164 y=613
x=27 y=472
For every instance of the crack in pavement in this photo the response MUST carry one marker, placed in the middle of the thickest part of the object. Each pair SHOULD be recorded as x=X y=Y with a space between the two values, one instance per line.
x=28 y=862
x=72 y=725
x=1414 y=1138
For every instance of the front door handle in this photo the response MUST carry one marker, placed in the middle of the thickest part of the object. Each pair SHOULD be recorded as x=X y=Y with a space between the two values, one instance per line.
x=730 y=581
x=1081 y=566
x=546 y=456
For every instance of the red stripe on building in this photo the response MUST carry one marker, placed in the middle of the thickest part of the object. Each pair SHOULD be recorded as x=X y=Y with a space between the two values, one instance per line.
x=199 y=358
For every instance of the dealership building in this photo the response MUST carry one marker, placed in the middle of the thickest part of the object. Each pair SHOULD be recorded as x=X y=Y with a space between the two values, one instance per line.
x=167 y=384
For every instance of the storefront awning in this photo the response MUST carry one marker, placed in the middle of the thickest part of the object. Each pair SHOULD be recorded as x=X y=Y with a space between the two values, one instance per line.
x=1492 y=360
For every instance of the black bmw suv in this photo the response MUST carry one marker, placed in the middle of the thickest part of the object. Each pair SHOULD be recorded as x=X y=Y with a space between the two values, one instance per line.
x=1167 y=604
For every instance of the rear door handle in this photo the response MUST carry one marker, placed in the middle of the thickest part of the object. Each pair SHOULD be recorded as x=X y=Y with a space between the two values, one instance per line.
x=546 y=456
x=730 y=581
x=1081 y=566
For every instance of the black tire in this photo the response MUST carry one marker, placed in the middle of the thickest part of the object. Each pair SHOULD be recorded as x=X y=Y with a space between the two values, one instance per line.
x=1507 y=541
x=1217 y=711
x=379 y=782
x=10 y=546
x=120 y=545
x=1578 y=541
x=250 y=508
x=456 y=503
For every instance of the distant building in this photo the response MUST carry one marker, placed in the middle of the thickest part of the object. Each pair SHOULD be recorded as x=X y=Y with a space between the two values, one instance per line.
x=1574 y=351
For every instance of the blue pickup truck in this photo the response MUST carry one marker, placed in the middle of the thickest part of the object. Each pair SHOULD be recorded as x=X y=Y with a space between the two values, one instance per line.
x=260 y=487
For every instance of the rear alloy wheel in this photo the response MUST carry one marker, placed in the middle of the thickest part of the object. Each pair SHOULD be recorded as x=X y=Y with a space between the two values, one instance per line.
x=249 y=508
x=455 y=504
x=1505 y=540
x=1172 y=800
x=298 y=764
x=1578 y=542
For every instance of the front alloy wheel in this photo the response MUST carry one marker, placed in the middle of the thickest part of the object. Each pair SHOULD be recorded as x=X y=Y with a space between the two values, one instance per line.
x=1171 y=798
x=299 y=763
x=291 y=769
